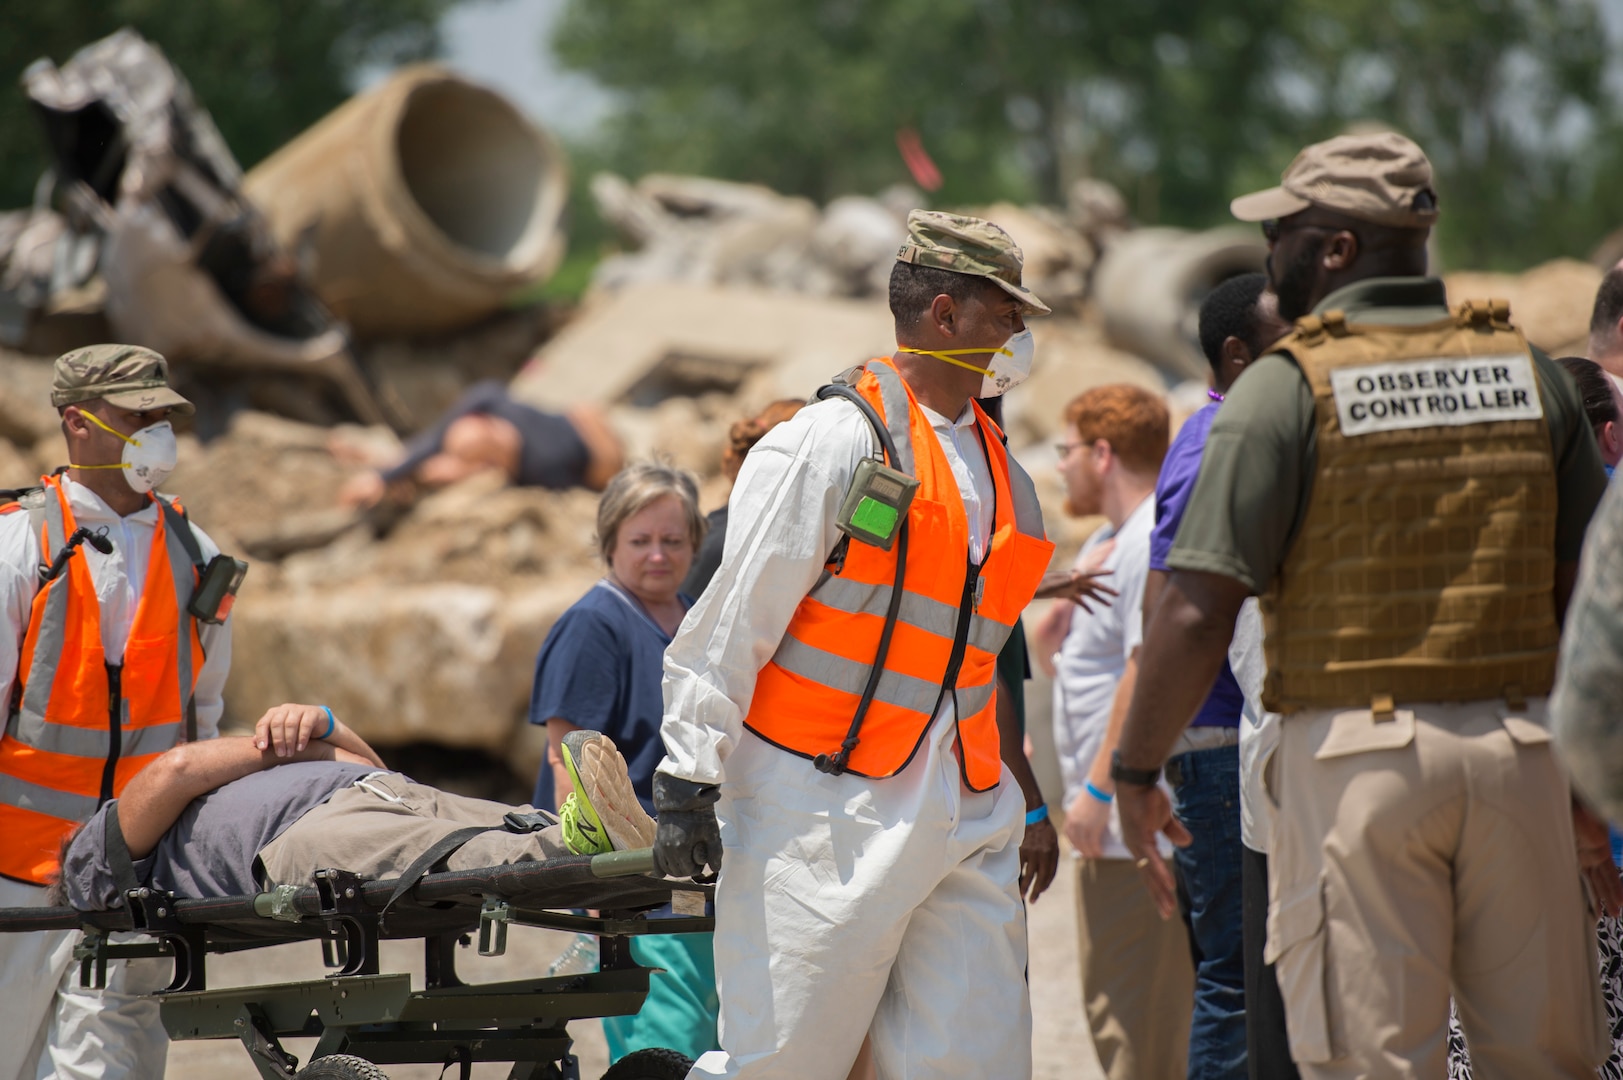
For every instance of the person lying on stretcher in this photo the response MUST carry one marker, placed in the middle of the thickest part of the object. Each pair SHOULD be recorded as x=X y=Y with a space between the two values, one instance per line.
x=238 y=816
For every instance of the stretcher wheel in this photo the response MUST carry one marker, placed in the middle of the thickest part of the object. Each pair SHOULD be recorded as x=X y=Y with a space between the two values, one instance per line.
x=654 y=1063
x=341 y=1067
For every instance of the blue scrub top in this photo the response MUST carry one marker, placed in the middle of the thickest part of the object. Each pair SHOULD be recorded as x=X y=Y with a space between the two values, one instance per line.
x=601 y=668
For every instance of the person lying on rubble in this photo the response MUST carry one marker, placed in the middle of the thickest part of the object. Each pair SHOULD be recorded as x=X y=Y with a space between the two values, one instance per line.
x=487 y=429
x=236 y=816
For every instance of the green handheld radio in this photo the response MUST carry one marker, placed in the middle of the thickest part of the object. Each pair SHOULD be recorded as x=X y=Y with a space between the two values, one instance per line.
x=876 y=503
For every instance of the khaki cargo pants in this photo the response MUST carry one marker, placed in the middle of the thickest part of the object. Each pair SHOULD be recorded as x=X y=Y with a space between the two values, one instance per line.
x=378 y=826
x=1420 y=855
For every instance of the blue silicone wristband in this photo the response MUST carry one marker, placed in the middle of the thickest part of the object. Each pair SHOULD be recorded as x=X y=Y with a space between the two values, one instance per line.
x=1039 y=814
x=1102 y=796
x=331 y=723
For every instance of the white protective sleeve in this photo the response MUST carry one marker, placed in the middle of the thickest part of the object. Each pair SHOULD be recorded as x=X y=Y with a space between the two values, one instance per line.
x=780 y=531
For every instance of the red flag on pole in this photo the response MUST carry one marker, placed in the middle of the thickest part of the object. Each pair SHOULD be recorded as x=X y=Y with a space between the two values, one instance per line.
x=918 y=162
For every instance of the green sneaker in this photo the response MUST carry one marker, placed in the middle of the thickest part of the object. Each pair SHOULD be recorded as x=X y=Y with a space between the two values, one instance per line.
x=602 y=813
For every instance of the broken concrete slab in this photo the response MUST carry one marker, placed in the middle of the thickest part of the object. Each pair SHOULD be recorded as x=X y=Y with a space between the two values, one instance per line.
x=400 y=663
x=701 y=231
x=646 y=343
x=1551 y=303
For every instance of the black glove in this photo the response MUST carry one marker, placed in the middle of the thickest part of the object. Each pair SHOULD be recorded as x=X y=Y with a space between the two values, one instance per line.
x=687 y=838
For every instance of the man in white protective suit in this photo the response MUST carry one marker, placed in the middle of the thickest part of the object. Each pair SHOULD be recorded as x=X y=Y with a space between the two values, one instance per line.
x=830 y=702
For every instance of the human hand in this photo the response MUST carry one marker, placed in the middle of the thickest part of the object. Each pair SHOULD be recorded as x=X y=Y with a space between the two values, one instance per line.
x=1079 y=588
x=1086 y=821
x=288 y=729
x=687 y=837
x=1595 y=860
x=1146 y=811
x=1039 y=858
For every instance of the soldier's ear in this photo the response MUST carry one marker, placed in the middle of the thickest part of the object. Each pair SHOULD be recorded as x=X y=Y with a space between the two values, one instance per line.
x=1341 y=251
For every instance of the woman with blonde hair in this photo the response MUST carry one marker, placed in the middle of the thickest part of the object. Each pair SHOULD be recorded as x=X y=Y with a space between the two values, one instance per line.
x=600 y=668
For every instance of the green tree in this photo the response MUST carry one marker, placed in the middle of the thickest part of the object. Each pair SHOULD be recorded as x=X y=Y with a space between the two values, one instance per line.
x=265 y=69
x=1181 y=103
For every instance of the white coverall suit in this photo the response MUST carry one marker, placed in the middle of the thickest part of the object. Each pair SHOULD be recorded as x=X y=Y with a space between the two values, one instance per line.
x=845 y=904
x=46 y=1016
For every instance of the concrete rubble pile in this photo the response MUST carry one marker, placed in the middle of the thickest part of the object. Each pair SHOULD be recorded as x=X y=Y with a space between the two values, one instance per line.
x=698 y=231
x=400 y=226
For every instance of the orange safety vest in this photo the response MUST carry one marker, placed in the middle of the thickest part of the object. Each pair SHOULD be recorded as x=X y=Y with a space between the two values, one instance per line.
x=954 y=616
x=79 y=728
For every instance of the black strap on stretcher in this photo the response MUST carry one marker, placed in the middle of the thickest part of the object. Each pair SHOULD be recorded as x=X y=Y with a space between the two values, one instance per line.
x=123 y=866
x=452 y=842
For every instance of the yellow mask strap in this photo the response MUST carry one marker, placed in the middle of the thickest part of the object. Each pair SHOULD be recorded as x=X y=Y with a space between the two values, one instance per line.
x=94 y=419
x=946 y=356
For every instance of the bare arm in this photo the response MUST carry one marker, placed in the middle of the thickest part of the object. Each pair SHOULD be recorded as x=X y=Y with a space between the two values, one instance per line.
x=561 y=784
x=1185 y=645
x=287 y=729
x=1184 y=648
x=1087 y=817
x=1039 y=848
x=1155 y=583
x=159 y=793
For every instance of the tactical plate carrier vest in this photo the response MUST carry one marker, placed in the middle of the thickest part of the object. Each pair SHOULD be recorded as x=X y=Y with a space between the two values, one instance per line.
x=1424 y=569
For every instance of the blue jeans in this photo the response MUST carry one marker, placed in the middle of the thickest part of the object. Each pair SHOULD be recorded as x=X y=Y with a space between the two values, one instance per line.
x=1206 y=798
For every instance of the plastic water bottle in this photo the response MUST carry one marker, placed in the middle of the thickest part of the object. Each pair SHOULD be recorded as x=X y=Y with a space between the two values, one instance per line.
x=579 y=958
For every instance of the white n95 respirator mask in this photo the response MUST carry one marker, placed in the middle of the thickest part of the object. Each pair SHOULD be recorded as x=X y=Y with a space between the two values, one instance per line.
x=1009 y=366
x=149 y=455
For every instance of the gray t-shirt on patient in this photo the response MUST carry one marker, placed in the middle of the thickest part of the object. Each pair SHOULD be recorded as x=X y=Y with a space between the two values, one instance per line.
x=213 y=849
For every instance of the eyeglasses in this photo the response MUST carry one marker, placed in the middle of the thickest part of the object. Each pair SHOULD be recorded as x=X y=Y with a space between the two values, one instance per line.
x=1063 y=449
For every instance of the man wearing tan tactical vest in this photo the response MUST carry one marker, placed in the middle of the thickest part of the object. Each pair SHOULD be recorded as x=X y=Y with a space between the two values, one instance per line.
x=1406 y=488
x=831 y=701
x=102 y=669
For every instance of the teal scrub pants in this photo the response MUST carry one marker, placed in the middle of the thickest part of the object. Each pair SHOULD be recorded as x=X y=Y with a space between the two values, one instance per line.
x=680 y=1012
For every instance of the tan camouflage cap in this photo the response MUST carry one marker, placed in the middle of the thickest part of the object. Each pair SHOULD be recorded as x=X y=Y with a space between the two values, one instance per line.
x=967 y=245
x=125 y=376
x=1381 y=177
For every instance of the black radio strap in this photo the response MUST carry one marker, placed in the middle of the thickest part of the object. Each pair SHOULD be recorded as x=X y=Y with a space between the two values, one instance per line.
x=836 y=764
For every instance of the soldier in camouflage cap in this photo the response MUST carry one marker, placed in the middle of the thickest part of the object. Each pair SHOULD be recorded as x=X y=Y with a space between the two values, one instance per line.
x=967 y=245
x=767 y=727
x=98 y=573
x=125 y=376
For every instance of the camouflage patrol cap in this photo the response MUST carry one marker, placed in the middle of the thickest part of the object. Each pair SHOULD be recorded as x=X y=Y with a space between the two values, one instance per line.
x=967 y=245
x=1380 y=177
x=125 y=376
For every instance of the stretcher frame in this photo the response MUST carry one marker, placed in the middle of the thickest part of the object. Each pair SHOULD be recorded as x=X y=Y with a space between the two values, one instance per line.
x=362 y=1011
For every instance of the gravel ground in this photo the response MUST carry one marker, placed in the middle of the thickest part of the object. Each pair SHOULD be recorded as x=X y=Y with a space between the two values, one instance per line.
x=1061 y=1046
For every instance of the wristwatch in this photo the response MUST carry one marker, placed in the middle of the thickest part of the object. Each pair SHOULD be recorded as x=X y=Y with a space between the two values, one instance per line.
x=1122 y=774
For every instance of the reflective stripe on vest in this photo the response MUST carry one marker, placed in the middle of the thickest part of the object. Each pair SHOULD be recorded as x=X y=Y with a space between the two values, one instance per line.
x=806 y=694
x=59 y=755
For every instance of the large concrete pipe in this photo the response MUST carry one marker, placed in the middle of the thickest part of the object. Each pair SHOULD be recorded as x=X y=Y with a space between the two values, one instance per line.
x=1150 y=283
x=428 y=201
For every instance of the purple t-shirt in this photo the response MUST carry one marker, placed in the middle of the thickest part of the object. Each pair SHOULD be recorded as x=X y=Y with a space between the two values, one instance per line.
x=1172 y=490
